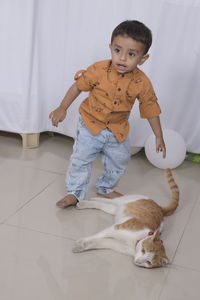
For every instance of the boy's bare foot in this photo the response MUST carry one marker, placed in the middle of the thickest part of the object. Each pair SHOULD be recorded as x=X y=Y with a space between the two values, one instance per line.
x=111 y=195
x=69 y=200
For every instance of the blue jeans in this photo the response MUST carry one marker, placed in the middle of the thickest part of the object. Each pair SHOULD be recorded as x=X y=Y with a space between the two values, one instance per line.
x=115 y=157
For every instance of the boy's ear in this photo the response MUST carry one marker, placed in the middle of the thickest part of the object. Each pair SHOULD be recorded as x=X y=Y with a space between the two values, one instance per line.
x=143 y=59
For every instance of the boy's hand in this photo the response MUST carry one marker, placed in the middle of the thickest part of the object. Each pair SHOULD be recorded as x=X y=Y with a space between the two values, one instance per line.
x=160 y=146
x=58 y=115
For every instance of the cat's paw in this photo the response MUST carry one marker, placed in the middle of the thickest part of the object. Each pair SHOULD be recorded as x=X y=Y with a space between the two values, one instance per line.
x=80 y=246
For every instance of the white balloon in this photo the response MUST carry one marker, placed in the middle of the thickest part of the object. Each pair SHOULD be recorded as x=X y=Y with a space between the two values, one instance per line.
x=175 y=150
x=135 y=150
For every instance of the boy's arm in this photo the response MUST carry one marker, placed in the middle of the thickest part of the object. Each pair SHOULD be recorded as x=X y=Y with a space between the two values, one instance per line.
x=156 y=127
x=59 y=114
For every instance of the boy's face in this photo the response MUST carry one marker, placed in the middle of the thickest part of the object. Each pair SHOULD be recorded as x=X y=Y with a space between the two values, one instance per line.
x=127 y=54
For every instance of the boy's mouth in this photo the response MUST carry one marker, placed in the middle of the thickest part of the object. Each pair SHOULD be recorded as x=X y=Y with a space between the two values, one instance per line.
x=121 y=67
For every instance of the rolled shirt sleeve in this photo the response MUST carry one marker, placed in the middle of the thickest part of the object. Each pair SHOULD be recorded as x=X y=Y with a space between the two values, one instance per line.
x=87 y=79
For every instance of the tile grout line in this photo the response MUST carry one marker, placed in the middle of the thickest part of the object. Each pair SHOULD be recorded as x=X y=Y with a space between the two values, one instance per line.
x=38 y=231
x=189 y=217
x=44 y=170
x=163 y=285
x=164 y=280
x=184 y=229
x=187 y=268
x=28 y=201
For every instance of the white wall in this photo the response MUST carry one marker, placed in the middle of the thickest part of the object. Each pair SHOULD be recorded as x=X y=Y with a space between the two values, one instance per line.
x=44 y=42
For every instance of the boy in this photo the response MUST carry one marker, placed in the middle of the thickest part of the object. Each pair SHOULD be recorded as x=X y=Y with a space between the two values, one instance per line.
x=103 y=127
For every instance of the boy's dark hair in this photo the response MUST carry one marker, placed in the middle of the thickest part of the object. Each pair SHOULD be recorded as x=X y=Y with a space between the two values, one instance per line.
x=136 y=30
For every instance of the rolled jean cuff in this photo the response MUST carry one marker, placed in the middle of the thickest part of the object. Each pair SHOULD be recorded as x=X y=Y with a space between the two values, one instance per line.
x=78 y=194
x=104 y=191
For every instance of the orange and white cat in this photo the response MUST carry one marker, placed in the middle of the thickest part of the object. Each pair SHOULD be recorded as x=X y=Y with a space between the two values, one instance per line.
x=137 y=228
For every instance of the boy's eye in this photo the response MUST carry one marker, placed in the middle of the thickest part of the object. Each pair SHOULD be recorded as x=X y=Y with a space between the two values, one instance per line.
x=131 y=54
x=117 y=50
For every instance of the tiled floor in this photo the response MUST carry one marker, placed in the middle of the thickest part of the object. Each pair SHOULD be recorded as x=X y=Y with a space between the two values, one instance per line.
x=36 y=237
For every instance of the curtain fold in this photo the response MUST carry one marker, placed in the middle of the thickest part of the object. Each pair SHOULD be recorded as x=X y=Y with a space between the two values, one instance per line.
x=43 y=43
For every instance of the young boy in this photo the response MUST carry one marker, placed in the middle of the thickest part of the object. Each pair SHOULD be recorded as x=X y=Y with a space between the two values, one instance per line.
x=103 y=127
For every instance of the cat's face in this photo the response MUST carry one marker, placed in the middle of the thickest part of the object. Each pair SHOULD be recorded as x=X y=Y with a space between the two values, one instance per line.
x=150 y=252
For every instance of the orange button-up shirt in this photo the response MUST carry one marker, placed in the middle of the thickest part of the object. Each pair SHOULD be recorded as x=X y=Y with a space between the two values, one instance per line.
x=111 y=97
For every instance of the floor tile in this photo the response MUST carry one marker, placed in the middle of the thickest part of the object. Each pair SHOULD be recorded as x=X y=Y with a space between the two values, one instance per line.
x=181 y=283
x=18 y=185
x=40 y=266
x=37 y=237
x=52 y=154
x=42 y=214
x=189 y=248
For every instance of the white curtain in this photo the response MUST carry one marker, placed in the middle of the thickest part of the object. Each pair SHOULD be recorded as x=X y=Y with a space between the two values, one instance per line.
x=44 y=42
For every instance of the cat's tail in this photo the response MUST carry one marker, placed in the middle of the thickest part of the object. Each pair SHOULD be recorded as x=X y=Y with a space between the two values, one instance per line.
x=168 y=210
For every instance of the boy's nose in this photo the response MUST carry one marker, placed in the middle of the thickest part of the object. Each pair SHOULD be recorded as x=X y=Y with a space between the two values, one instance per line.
x=123 y=57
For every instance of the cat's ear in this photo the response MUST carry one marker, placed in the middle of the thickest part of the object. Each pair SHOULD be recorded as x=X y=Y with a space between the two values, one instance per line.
x=156 y=236
x=164 y=261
